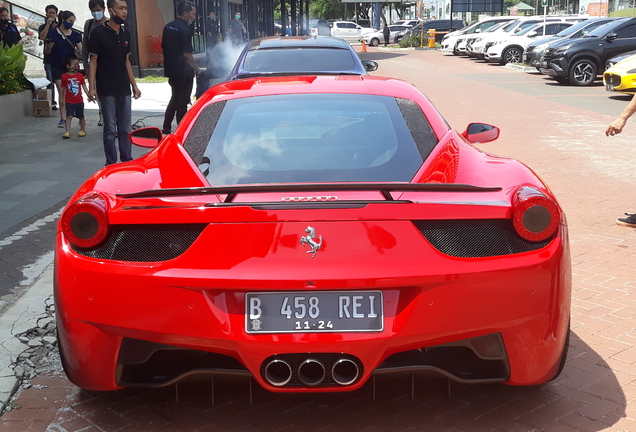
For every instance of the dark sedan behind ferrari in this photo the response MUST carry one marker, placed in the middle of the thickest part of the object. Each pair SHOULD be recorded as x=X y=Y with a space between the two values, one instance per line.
x=301 y=55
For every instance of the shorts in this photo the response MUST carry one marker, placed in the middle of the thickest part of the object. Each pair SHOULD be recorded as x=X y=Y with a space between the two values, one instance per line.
x=75 y=110
x=56 y=73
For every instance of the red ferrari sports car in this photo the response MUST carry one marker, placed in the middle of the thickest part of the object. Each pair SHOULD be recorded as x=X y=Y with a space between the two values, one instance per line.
x=311 y=232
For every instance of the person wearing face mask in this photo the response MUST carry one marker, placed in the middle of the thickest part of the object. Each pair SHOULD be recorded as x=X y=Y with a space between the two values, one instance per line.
x=110 y=78
x=179 y=65
x=97 y=8
x=9 y=34
x=237 y=29
x=43 y=31
x=211 y=31
x=66 y=41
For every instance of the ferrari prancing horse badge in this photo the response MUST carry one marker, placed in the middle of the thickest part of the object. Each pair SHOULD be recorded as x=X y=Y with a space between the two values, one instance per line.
x=309 y=240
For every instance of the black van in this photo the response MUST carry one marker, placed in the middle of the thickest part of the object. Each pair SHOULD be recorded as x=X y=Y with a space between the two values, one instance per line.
x=441 y=25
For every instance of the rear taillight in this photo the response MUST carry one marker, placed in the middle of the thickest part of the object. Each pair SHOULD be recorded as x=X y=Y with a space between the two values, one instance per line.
x=85 y=222
x=535 y=217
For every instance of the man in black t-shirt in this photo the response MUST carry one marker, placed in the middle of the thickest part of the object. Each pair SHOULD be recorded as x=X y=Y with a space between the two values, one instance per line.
x=43 y=30
x=9 y=33
x=179 y=65
x=111 y=73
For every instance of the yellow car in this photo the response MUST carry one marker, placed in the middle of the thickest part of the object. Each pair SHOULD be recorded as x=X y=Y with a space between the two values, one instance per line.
x=620 y=74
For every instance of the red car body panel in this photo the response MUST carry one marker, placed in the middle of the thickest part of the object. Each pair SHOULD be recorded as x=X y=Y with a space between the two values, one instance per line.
x=197 y=300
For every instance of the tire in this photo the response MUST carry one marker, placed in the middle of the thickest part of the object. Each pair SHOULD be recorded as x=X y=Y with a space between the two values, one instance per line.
x=512 y=55
x=62 y=359
x=583 y=72
x=564 y=354
x=374 y=42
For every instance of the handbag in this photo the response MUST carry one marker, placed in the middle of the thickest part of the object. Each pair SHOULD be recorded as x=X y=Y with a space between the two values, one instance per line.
x=78 y=52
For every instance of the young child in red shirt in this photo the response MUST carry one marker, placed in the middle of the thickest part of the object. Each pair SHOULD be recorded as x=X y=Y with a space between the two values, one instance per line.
x=72 y=85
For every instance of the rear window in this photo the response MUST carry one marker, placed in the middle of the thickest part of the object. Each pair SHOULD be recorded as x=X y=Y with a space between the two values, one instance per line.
x=299 y=60
x=309 y=138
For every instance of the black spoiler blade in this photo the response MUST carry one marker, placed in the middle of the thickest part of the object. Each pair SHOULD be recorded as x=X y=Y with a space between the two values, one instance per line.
x=383 y=188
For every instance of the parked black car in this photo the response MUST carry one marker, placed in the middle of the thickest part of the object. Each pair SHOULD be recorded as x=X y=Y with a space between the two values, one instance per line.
x=579 y=61
x=442 y=25
x=534 y=52
x=301 y=55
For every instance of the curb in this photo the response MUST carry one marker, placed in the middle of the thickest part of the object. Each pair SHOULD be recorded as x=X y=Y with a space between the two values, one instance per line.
x=519 y=68
x=18 y=318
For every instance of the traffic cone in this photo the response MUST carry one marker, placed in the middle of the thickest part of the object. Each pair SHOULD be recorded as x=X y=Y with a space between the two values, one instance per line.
x=364 y=46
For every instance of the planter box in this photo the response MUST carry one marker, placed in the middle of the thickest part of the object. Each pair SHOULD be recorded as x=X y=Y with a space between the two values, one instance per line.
x=14 y=107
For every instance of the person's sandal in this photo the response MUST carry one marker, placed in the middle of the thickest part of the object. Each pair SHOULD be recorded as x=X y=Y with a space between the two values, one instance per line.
x=81 y=134
x=66 y=135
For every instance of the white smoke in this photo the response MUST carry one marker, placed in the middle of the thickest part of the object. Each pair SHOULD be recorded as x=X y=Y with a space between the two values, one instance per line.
x=221 y=59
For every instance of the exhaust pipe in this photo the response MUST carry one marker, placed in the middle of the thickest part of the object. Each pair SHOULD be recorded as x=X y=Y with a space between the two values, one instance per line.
x=311 y=372
x=345 y=372
x=278 y=372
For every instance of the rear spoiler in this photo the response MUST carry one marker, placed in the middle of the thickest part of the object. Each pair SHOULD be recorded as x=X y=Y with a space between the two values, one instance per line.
x=384 y=188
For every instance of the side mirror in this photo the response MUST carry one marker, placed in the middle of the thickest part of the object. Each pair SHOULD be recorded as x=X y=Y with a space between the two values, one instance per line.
x=481 y=133
x=611 y=36
x=147 y=137
x=533 y=33
x=369 y=65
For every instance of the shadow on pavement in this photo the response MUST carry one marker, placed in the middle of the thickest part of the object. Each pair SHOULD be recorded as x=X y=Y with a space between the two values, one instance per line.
x=377 y=55
x=586 y=396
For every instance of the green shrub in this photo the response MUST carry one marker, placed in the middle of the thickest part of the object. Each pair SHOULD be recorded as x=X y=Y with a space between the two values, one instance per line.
x=413 y=41
x=12 y=65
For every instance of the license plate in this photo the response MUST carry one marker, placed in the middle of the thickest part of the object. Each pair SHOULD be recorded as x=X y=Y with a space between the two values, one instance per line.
x=609 y=87
x=525 y=58
x=314 y=312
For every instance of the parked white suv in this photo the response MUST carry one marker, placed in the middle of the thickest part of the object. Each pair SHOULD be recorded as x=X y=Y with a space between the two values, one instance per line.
x=349 y=30
x=480 y=45
x=451 y=40
x=510 y=49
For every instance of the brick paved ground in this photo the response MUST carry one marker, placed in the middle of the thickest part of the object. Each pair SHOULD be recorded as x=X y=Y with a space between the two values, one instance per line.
x=559 y=132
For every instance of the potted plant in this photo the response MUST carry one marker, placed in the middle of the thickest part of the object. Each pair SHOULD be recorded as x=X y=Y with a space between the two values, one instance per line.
x=14 y=87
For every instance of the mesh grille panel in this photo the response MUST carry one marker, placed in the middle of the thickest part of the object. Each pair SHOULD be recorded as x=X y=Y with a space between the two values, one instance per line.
x=615 y=80
x=148 y=243
x=475 y=238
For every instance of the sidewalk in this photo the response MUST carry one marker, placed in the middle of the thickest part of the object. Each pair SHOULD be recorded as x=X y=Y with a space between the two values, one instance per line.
x=39 y=170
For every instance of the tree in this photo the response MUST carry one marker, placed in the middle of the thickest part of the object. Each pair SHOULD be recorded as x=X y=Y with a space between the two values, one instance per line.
x=326 y=9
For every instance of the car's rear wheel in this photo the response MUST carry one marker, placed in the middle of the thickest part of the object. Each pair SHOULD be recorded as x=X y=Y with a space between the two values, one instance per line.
x=583 y=72
x=512 y=55
x=62 y=358
x=374 y=42
x=564 y=354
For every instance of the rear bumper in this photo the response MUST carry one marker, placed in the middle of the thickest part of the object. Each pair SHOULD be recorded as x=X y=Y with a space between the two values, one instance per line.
x=524 y=298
